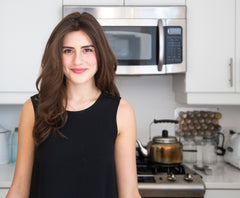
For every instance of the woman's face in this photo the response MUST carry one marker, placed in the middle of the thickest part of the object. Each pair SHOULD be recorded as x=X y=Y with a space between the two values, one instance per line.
x=78 y=58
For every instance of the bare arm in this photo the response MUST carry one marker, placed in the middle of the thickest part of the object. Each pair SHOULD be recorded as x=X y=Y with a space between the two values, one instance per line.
x=125 y=148
x=23 y=170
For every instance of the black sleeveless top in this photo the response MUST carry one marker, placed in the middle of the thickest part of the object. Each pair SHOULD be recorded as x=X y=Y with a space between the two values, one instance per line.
x=81 y=166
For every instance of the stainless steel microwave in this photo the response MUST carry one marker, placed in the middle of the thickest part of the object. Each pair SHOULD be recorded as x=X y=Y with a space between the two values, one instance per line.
x=145 y=40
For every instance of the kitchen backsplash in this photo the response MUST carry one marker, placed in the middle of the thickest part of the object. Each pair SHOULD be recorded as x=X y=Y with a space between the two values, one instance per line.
x=152 y=98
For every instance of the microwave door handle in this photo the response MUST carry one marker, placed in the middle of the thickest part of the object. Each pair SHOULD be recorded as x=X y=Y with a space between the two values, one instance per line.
x=161 y=44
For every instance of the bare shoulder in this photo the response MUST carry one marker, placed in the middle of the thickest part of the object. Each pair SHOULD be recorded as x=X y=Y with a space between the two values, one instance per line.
x=125 y=116
x=27 y=112
x=125 y=107
x=28 y=108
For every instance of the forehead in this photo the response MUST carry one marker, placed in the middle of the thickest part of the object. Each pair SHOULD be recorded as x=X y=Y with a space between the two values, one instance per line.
x=76 y=38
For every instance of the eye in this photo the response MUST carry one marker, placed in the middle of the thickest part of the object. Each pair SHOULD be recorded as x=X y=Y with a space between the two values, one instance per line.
x=67 y=51
x=88 y=50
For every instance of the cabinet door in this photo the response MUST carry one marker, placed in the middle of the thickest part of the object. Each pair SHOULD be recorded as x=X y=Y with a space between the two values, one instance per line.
x=25 y=28
x=238 y=45
x=210 y=46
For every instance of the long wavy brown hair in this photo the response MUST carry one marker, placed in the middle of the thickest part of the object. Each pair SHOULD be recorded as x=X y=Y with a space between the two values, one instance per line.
x=51 y=113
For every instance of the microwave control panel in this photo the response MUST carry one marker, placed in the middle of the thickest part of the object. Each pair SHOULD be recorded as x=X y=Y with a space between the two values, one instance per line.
x=173 y=38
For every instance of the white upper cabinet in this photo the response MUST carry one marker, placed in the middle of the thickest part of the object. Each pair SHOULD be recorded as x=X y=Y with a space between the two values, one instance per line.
x=93 y=2
x=213 y=54
x=211 y=46
x=25 y=28
x=155 y=2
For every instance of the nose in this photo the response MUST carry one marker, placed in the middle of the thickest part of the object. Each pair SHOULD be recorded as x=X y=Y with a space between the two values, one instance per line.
x=78 y=58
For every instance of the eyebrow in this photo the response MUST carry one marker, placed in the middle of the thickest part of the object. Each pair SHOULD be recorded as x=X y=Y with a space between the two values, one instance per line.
x=85 y=46
x=67 y=47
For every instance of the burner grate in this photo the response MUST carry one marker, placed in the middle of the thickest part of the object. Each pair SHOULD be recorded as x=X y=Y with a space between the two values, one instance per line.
x=144 y=166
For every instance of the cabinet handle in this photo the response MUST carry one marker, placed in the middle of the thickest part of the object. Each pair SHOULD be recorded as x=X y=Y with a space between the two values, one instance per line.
x=231 y=72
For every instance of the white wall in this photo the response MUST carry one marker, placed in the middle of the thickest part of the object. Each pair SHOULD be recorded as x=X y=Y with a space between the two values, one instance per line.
x=152 y=97
x=10 y=115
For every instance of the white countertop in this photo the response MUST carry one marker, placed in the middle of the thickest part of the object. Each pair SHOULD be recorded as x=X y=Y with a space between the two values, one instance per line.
x=6 y=175
x=224 y=176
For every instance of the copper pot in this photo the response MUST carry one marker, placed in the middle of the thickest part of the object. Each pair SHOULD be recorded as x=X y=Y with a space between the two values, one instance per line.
x=163 y=149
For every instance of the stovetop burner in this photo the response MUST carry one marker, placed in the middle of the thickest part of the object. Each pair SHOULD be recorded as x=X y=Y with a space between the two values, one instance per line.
x=146 y=167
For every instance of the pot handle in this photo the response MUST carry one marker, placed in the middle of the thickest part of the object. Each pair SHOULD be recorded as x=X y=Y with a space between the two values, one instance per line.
x=165 y=121
x=220 y=150
x=160 y=121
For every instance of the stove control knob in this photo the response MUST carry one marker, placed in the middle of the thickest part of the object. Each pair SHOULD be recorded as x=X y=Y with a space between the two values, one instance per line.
x=171 y=177
x=188 y=177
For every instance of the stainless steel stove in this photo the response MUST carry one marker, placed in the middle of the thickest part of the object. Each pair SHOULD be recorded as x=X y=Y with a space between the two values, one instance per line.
x=158 y=180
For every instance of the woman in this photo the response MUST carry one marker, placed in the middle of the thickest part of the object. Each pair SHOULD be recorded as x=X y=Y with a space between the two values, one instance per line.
x=77 y=136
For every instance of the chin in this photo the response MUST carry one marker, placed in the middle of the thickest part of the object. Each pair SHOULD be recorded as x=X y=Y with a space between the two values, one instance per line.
x=81 y=80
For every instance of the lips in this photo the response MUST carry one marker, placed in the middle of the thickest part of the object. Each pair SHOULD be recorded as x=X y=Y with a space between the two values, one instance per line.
x=78 y=70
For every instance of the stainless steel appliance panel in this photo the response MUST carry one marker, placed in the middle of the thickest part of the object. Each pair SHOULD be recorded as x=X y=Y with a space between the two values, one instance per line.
x=109 y=12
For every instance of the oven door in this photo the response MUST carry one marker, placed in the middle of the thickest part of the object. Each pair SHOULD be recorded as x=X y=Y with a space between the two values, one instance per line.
x=167 y=193
x=159 y=185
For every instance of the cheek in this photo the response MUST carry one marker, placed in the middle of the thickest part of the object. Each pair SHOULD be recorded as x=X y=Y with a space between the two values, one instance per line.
x=92 y=60
x=65 y=61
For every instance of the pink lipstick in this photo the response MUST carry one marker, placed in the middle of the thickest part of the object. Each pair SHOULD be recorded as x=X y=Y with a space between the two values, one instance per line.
x=79 y=70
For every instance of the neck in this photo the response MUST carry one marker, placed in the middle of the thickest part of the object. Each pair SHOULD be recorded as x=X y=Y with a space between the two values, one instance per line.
x=81 y=96
x=81 y=92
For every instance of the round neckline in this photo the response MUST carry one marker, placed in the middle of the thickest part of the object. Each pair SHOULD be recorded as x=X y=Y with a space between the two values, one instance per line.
x=88 y=108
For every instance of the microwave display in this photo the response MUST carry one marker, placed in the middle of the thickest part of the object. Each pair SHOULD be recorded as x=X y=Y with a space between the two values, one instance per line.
x=173 y=45
x=133 y=45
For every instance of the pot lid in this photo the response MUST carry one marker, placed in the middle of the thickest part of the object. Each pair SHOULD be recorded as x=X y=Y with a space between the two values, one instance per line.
x=165 y=139
x=162 y=140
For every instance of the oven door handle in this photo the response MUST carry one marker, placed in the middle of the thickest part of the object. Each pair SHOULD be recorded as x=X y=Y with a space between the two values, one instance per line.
x=161 y=44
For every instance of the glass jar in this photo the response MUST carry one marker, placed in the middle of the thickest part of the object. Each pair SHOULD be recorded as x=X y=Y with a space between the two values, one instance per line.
x=14 y=145
x=189 y=149
x=209 y=151
x=199 y=147
x=4 y=145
